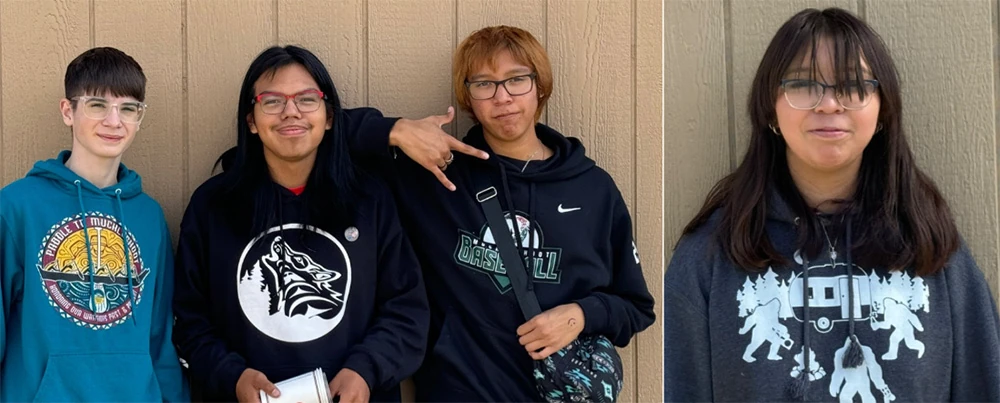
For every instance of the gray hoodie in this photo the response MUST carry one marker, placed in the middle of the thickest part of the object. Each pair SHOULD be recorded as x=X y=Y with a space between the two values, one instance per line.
x=785 y=333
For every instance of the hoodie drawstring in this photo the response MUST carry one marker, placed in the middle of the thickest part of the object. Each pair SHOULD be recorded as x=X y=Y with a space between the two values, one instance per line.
x=86 y=238
x=853 y=357
x=800 y=386
x=90 y=257
x=128 y=256
x=531 y=230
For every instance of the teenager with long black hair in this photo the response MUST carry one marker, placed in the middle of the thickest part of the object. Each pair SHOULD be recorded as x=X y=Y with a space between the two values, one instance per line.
x=292 y=259
x=828 y=265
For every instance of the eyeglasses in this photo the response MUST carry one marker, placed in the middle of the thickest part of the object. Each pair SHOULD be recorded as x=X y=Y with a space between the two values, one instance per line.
x=273 y=103
x=487 y=89
x=808 y=94
x=98 y=108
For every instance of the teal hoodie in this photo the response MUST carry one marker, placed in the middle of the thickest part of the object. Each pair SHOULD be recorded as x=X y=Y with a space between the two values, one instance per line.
x=69 y=331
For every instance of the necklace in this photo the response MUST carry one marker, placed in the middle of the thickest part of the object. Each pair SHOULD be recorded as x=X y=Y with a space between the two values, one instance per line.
x=833 y=245
x=530 y=157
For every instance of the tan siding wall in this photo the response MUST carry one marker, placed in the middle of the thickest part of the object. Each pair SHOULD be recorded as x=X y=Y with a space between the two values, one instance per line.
x=647 y=207
x=391 y=54
x=948 y=57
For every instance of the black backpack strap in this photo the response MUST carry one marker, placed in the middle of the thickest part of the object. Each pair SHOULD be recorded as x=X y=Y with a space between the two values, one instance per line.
x=487 y=198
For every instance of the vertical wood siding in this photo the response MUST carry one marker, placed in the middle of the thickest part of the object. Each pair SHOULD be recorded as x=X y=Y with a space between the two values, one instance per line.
x=391 y=54
x=948 y=57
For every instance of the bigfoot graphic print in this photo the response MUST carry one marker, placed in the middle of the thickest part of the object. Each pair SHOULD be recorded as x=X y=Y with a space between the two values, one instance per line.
x=293 y=282
x=769 y=304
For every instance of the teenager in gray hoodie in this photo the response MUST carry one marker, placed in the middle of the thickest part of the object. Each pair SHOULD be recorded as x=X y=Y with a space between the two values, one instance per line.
x=827 y=266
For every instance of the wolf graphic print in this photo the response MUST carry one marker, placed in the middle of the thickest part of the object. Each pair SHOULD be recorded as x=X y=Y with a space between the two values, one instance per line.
x=293 y=282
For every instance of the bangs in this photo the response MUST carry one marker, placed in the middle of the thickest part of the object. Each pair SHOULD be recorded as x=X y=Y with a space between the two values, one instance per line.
x=102 y=71
x=486 y=56
x=841 y=40
x=119 y=86
x=280 y=62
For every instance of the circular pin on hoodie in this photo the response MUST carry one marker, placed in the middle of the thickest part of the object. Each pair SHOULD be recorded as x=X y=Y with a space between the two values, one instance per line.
x=351 y=234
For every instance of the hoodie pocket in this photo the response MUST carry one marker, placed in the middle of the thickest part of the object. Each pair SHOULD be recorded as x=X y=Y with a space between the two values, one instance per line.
x=476 y=361
x=448 y=376
x=103 y=377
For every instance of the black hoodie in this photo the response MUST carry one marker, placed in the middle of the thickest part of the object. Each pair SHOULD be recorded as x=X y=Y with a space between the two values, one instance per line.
x=579 y=239
x=298 y=296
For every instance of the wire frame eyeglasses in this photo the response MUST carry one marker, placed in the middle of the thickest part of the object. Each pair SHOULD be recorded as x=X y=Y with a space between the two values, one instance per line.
x=808 y=94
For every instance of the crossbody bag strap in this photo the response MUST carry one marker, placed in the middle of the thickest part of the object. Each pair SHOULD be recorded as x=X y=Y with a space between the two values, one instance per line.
x=487 y=198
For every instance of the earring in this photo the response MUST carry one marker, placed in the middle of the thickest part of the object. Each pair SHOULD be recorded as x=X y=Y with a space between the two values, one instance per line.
x=878 y=127
x=774 y=129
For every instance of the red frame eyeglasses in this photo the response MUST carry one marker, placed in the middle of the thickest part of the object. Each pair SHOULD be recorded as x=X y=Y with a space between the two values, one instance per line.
x=257 y=100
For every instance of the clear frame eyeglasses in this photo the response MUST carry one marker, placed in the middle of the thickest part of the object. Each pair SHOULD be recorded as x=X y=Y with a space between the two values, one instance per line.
x=273 y=103
x=487 y=89
x=98 y=108
x=808 y=94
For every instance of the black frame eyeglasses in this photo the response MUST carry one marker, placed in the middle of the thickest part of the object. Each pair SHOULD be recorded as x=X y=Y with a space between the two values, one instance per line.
x=477 y=89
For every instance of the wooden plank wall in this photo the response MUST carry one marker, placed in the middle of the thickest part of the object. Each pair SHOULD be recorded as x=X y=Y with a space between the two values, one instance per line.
x=948 y=57
x=391 y=54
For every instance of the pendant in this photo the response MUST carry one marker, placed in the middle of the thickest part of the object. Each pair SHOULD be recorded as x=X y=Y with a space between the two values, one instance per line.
x=833 y=254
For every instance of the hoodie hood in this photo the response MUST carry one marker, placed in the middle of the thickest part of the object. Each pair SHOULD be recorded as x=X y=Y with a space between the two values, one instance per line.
x=777 y=208
x=55 y=170
x=568 y=158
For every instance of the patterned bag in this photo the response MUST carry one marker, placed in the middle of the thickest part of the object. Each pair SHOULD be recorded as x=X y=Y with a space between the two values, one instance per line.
x=587 y=370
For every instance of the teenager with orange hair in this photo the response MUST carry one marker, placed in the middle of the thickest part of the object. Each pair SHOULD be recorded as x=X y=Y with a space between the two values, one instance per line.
x=574 y=232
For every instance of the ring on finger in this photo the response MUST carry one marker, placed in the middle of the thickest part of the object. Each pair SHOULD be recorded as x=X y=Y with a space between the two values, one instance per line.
x=451 y=158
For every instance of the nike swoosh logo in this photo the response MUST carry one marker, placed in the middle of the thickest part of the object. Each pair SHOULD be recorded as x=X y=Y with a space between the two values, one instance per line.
x=566 y=210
